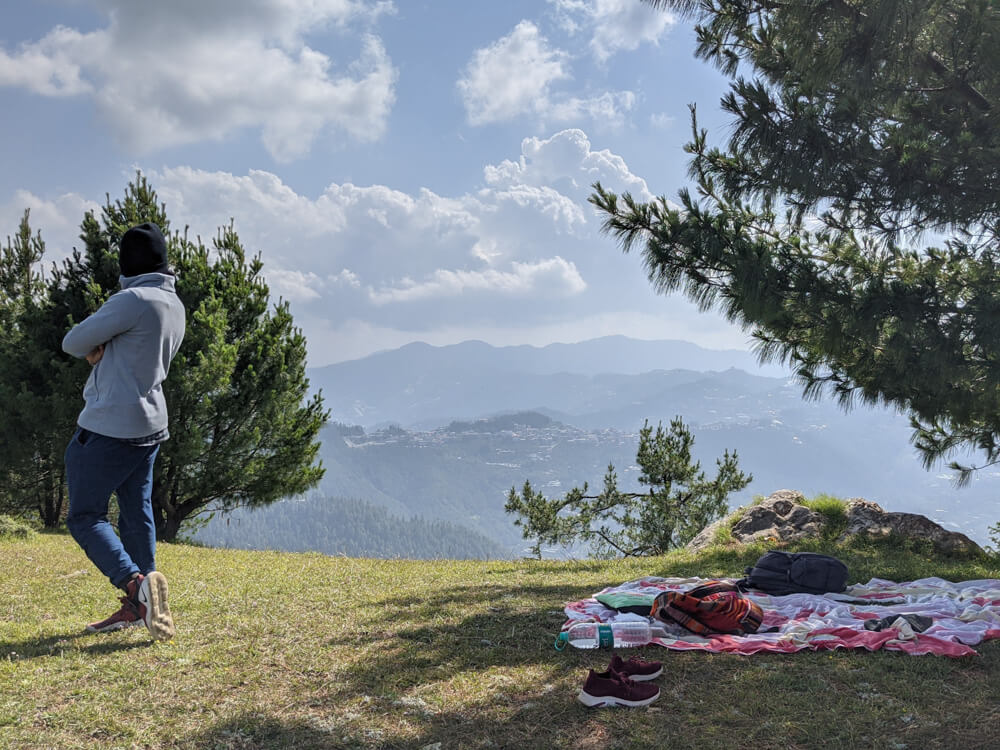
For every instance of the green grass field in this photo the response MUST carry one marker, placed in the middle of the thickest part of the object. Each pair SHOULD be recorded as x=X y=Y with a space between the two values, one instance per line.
x=280 y=650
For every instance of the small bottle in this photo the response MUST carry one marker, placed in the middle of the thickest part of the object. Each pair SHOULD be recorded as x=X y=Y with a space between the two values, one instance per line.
x=624 y=634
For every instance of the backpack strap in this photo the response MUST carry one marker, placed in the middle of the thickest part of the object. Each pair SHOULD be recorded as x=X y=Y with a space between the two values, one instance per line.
x=710 y=609
x=667 y=607
x=712 y=587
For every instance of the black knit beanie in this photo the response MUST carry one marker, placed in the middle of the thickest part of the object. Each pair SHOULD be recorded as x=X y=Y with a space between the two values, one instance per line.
x=143 y=250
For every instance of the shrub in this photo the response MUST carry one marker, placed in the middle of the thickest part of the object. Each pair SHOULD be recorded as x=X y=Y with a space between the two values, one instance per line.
x=13 y=528
x=833 y=509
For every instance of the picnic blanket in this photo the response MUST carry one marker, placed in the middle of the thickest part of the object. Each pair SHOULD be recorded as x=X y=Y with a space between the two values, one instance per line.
x=963 y=614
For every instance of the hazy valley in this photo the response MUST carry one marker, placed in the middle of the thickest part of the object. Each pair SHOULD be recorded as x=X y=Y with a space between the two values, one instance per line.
x=426 y=442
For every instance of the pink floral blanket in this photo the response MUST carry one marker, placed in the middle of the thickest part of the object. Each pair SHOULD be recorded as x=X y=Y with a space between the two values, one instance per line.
x=963 y=614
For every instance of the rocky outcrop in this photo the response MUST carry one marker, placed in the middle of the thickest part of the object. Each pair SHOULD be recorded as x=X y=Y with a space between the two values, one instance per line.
x=706 y=537
x=868 y=518
x=781 y=517
x=784 y=519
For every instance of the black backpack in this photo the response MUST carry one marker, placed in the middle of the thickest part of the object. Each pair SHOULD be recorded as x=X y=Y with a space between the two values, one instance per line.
x=781 y=573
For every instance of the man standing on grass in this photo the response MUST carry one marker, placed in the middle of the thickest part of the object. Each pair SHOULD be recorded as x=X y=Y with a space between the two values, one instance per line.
x=130 y=342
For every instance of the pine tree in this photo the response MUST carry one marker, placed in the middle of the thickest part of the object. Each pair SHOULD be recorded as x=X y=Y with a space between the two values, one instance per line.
x=852 y=219
x=680 y=501
x=31 y=467
x=243 y=427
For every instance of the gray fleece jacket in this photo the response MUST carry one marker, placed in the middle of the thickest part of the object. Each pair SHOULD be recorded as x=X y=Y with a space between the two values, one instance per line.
x=141 y=327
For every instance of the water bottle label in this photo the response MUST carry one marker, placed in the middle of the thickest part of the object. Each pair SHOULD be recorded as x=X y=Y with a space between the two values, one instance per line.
x=606 y=638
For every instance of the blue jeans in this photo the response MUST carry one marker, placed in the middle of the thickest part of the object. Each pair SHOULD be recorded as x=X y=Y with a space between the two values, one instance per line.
x=96 y=466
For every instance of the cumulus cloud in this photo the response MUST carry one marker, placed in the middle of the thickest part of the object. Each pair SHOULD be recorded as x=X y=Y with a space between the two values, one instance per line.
x=199 y=71
x=613 y=25
x=58 y=219
x=49 y=67
x=566 y=159
x=562 y=213
x=512 y=76
x=304 y=286
x=295 y=286
x=346 y=277
x=609 y=109
x=554 y=276
x=530 y=209
x=524 y=248
x=517 y=76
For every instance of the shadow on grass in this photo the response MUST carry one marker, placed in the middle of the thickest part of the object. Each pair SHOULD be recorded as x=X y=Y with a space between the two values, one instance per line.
x=850 y=700
x=504 y=657
x=512 y=631
x=473 y=666
x=447 y=732
x=260 y=732
x=426 y=646
x=53 y=645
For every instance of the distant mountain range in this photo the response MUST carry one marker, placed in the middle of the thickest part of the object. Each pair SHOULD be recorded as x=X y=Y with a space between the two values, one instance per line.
x=442 y=433
x=423 y=386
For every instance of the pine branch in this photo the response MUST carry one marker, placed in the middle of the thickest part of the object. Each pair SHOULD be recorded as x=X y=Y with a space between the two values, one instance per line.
x=934 y=62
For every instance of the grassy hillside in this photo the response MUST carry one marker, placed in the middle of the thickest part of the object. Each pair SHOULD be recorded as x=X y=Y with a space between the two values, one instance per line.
x=345 y=526
x=281 y=650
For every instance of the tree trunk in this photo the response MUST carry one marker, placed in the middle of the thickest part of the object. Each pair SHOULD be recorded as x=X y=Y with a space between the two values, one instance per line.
x=159 y=511
x=167 y=512
x=50 y=501
x=167 y=530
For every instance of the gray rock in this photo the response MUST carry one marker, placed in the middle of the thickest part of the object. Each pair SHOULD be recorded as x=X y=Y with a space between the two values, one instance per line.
x=783 y=518
x=706 y=537
x=780 y=517
x=868 y=518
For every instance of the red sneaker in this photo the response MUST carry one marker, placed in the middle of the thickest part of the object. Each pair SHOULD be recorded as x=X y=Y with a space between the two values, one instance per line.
x=126 y=617
x=612 y=689
x=130 y=615
x=634 y=669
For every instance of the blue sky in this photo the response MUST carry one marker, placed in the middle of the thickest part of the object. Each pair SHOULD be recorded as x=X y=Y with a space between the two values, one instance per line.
x=407 y=170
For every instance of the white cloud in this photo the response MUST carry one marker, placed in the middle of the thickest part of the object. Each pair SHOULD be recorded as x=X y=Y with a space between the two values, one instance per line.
x=346 y=277
x=608 y=109
x=568 y=160
x=661 y=120
x=296 y=286
x=516 y=77
x=199 y=71
x=511 y=77
x=268 y=209
x=49 y=67
x=613 y=25
x=554 y=277
x=285 y=20
x=376 y=229
x=58 y=219
x=524 y=248
x=563 y=212
x=529 y=210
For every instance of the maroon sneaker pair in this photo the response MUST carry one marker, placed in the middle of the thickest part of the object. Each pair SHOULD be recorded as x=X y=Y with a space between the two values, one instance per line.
x=624 y=684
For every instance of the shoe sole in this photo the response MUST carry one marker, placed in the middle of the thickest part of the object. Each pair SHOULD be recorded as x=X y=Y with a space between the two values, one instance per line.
x=595 y=701
x=644 y=677
x=116 y=626
x=153 y=595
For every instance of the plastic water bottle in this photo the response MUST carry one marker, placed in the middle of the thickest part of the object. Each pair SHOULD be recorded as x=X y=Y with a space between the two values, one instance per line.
x=623 y=634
